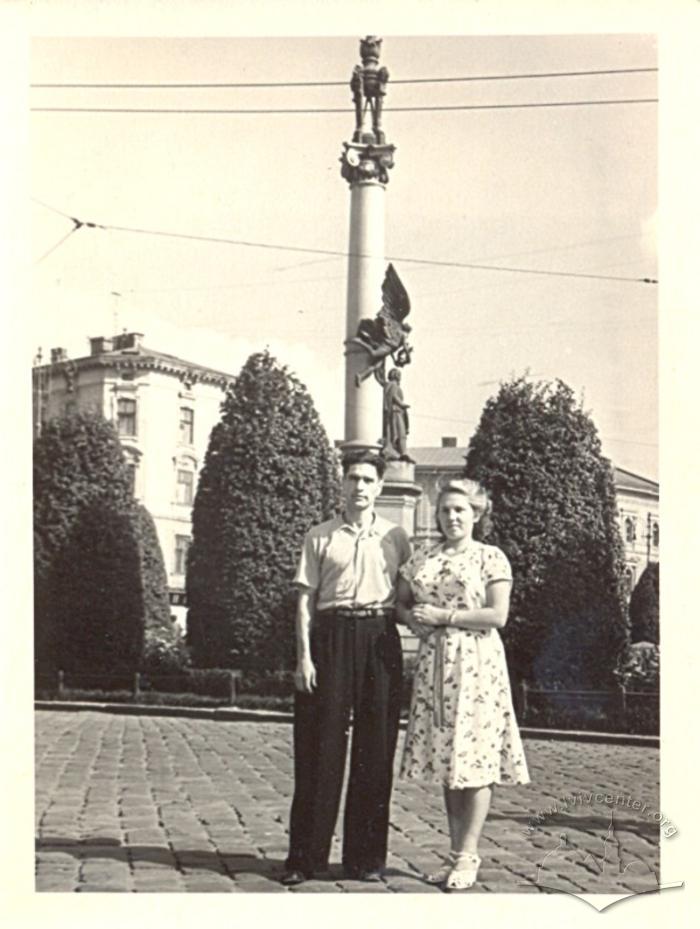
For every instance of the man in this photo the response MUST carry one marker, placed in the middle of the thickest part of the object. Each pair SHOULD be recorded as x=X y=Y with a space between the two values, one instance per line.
x=348 y=666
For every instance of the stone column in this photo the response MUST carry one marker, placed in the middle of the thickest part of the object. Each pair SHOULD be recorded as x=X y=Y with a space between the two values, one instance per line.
x=365 y=162
x=366 y=268
x=365 y=165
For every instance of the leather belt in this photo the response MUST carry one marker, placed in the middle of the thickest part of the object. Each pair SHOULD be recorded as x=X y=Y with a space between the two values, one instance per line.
x=368 y=612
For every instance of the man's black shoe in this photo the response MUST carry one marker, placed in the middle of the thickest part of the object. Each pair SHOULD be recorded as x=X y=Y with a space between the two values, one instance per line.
x=368 y=875
x=292 y=877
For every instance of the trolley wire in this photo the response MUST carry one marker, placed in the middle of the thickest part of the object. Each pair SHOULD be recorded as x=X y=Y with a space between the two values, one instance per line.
x=270 y=84
x=301 y=111
x=220 y=240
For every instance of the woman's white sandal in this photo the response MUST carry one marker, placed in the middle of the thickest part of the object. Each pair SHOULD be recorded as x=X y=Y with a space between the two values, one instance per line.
x=463 y=874
x=441 y=875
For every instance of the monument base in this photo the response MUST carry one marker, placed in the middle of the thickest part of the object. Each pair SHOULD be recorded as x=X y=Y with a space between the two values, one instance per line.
x=360 y=445
x=397 y=501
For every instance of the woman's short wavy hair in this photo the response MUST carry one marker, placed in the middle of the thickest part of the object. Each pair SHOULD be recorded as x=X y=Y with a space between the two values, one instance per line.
x=477 y=497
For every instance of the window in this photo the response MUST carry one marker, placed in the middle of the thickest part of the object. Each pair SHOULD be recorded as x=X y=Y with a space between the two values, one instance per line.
x=425 y=513
x=126 y=416
x=630 y=530
x=131 y=468
x=182 y=546
x=655 y=535
x=628 y=580
x=186 y=425
x=185 y=487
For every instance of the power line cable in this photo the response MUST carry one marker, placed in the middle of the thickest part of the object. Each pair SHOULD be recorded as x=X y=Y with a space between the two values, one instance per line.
x=53 y=209
x=344 y=254
x=299 y=111
x=60 y=242
x=421 y=261
x=269 y=84
x=321 y=280
x=77 y=224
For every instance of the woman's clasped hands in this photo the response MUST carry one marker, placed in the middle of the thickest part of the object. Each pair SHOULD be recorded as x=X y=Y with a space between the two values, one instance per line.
x=425 y=618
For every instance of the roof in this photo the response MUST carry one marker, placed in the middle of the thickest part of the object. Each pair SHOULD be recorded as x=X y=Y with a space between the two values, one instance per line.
x=143 y=357
x=452 y=459
x=173 y=359
x=628 y=480
x=437 y=456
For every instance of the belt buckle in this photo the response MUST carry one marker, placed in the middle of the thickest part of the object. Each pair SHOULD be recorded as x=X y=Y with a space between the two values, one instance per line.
x=368 y=612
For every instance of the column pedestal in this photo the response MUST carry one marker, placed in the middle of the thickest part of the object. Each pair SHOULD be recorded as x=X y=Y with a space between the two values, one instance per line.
x=397 y=501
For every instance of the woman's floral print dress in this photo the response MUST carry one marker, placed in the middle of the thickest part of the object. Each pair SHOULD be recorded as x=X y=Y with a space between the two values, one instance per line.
x=462 y=730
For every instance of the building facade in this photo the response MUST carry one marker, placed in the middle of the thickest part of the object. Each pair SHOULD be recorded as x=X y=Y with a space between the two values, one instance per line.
x=637 y=504
x=163 y=408
x=638 y=516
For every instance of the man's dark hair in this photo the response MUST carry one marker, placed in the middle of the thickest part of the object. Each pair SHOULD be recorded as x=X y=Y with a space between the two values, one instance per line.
x=364 y=456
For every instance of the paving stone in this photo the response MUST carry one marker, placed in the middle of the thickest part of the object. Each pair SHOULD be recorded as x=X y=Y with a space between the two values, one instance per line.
x=116 y=794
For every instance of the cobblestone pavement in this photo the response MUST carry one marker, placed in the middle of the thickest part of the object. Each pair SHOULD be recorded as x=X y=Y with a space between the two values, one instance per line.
x=146 y=803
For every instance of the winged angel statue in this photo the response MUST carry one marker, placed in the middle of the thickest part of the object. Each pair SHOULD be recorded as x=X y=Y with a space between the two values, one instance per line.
x=387 y=334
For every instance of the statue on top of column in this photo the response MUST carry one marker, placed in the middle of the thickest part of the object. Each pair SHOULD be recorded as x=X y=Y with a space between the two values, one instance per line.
x=387 y=334
x=368 y=85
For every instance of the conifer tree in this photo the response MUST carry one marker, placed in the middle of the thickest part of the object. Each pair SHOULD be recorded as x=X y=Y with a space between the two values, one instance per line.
x=554 y=514
x=163 y=647
x=268 y=476
x=644 y=606
x=97 y=614
x=99 y=581
x=78 y=464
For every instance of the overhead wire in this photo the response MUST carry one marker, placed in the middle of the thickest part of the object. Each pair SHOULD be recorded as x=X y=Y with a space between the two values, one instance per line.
x=405 y=259
x=52 y=208
x=342 y=253
x=60 y=242
x=299 y=111
x=269 y=84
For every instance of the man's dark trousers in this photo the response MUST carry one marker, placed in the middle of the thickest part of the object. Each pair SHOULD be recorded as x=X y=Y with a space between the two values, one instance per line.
x=359 y=669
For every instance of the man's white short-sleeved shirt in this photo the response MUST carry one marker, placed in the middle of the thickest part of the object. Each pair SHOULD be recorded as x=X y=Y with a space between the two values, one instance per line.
x=351 y=567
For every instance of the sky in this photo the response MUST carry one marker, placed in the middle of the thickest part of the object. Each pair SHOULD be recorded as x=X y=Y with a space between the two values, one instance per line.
x=568 y=189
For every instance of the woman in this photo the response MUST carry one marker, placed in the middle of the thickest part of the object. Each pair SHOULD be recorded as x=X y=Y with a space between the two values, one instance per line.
x=462 y=731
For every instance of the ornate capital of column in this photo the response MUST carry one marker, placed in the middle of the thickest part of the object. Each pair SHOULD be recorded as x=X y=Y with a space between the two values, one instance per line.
x=366 y=163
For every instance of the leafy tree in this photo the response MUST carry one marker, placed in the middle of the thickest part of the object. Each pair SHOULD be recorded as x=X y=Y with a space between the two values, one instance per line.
x=154 y=578
x=269 y=474
x=78 y=464
x=164 y=650
x=554 y=515
x=644 y=606
x=98 y=597
x=638 y=666
x=77 y=459
x=101 y=593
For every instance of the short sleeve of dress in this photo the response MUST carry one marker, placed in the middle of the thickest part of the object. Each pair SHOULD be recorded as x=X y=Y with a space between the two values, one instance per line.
x=403 y=548
x=496 y=566
x=408 y=570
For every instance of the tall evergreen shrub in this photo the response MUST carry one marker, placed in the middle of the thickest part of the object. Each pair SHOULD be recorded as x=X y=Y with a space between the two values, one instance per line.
x=554 y=514
x=644 y=606
x=269 y=474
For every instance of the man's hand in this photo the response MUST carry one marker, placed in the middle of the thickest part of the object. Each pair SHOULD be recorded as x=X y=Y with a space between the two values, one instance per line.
x=418 y=629
x=430 y=615
x=305 y=676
